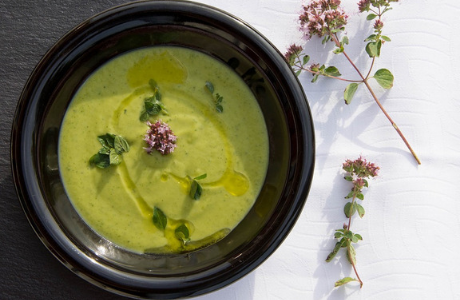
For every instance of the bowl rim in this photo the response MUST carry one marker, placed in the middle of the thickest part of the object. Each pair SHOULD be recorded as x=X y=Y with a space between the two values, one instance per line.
x=281 y=229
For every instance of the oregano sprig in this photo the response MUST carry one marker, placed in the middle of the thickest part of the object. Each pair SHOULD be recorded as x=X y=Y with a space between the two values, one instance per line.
x=216 y=97
x=159 y=219
x=195 y=187
x=111 y=153
x=327 y=20
x=357 y=172
x=182 y=233
x=153 y=105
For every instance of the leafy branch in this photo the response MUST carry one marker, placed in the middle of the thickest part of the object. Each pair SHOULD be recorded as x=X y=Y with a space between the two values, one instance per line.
x=327 y=19
x=357 y=172
x=217 y=98
x=111 y=153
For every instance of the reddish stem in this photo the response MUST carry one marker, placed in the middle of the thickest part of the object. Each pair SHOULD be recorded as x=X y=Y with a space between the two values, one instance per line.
x=353 y=265
x=365 y=81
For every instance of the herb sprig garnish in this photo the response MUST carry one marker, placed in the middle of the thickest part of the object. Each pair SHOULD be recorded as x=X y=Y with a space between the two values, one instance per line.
x=182 y=234
x=159 y=219
x=153 y=105
x=195 y=188
x=111 y=153
x=216 y=97
x=326 y=19
x=357 y=172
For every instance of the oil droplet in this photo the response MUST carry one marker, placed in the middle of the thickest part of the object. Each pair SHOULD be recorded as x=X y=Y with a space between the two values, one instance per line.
x=148 y=67
x=235 y=183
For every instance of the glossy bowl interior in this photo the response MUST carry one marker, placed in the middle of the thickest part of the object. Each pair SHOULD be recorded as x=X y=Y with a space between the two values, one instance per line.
x=47 y=94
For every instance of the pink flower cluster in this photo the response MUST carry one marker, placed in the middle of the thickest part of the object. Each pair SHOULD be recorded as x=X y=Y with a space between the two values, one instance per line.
x=365 y=5
x=160 y=137
x=361 y=168
x=292 y=53
x=322 y=18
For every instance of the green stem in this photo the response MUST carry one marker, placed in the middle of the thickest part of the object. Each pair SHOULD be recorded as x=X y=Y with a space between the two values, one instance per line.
x=349 y=225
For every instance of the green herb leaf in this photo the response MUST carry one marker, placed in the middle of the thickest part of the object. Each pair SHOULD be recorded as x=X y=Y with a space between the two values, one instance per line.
x=219 y=108
x=334 y=252
x=104 y=150
x=385 y=38
x=218 y=102
x=366 y=183
x=345 y=40
x=351 y=254
x=202 y=176
x=107 y=140
x=332 y=71
x=360 y=209
x=348 y=235
x=305 y=59
x=349 y=209
x=373 y=48
x=371 y=38
x=115 y=158
x=195 y=190
x=120 y=144
x=348 y=178
x=152 y=108
x=144 y=116
x=360 y=196
x=350 y=92
x=371 y=17
x=358 y=236
x=153 y=85
x=344 y=281
x=159 y=218
x=354 y=238
x=99 y=160
x=210 y=86
x=384 y=78
x=182 y=233
x=350 y=195
x=338 y=50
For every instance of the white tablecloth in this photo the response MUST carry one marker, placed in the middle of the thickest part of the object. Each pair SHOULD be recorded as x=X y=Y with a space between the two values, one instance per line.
x=411 y=230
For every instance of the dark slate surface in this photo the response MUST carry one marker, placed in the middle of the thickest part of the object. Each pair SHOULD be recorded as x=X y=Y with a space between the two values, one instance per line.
x=27 y=29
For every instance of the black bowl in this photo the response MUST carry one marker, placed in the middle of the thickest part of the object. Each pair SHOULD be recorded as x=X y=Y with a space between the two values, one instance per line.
x=50 y=88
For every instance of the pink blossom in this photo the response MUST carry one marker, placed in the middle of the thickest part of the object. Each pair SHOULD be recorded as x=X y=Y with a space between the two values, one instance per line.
x=322 y=17
x=378 y=24
x=361 y=168
x=159 y=137
x=292 y=53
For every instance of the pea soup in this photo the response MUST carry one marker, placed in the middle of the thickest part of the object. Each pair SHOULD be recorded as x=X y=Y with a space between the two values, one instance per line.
x=163 y=149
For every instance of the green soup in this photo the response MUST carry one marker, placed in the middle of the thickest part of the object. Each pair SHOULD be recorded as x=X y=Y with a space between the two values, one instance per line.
x=228 y=143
